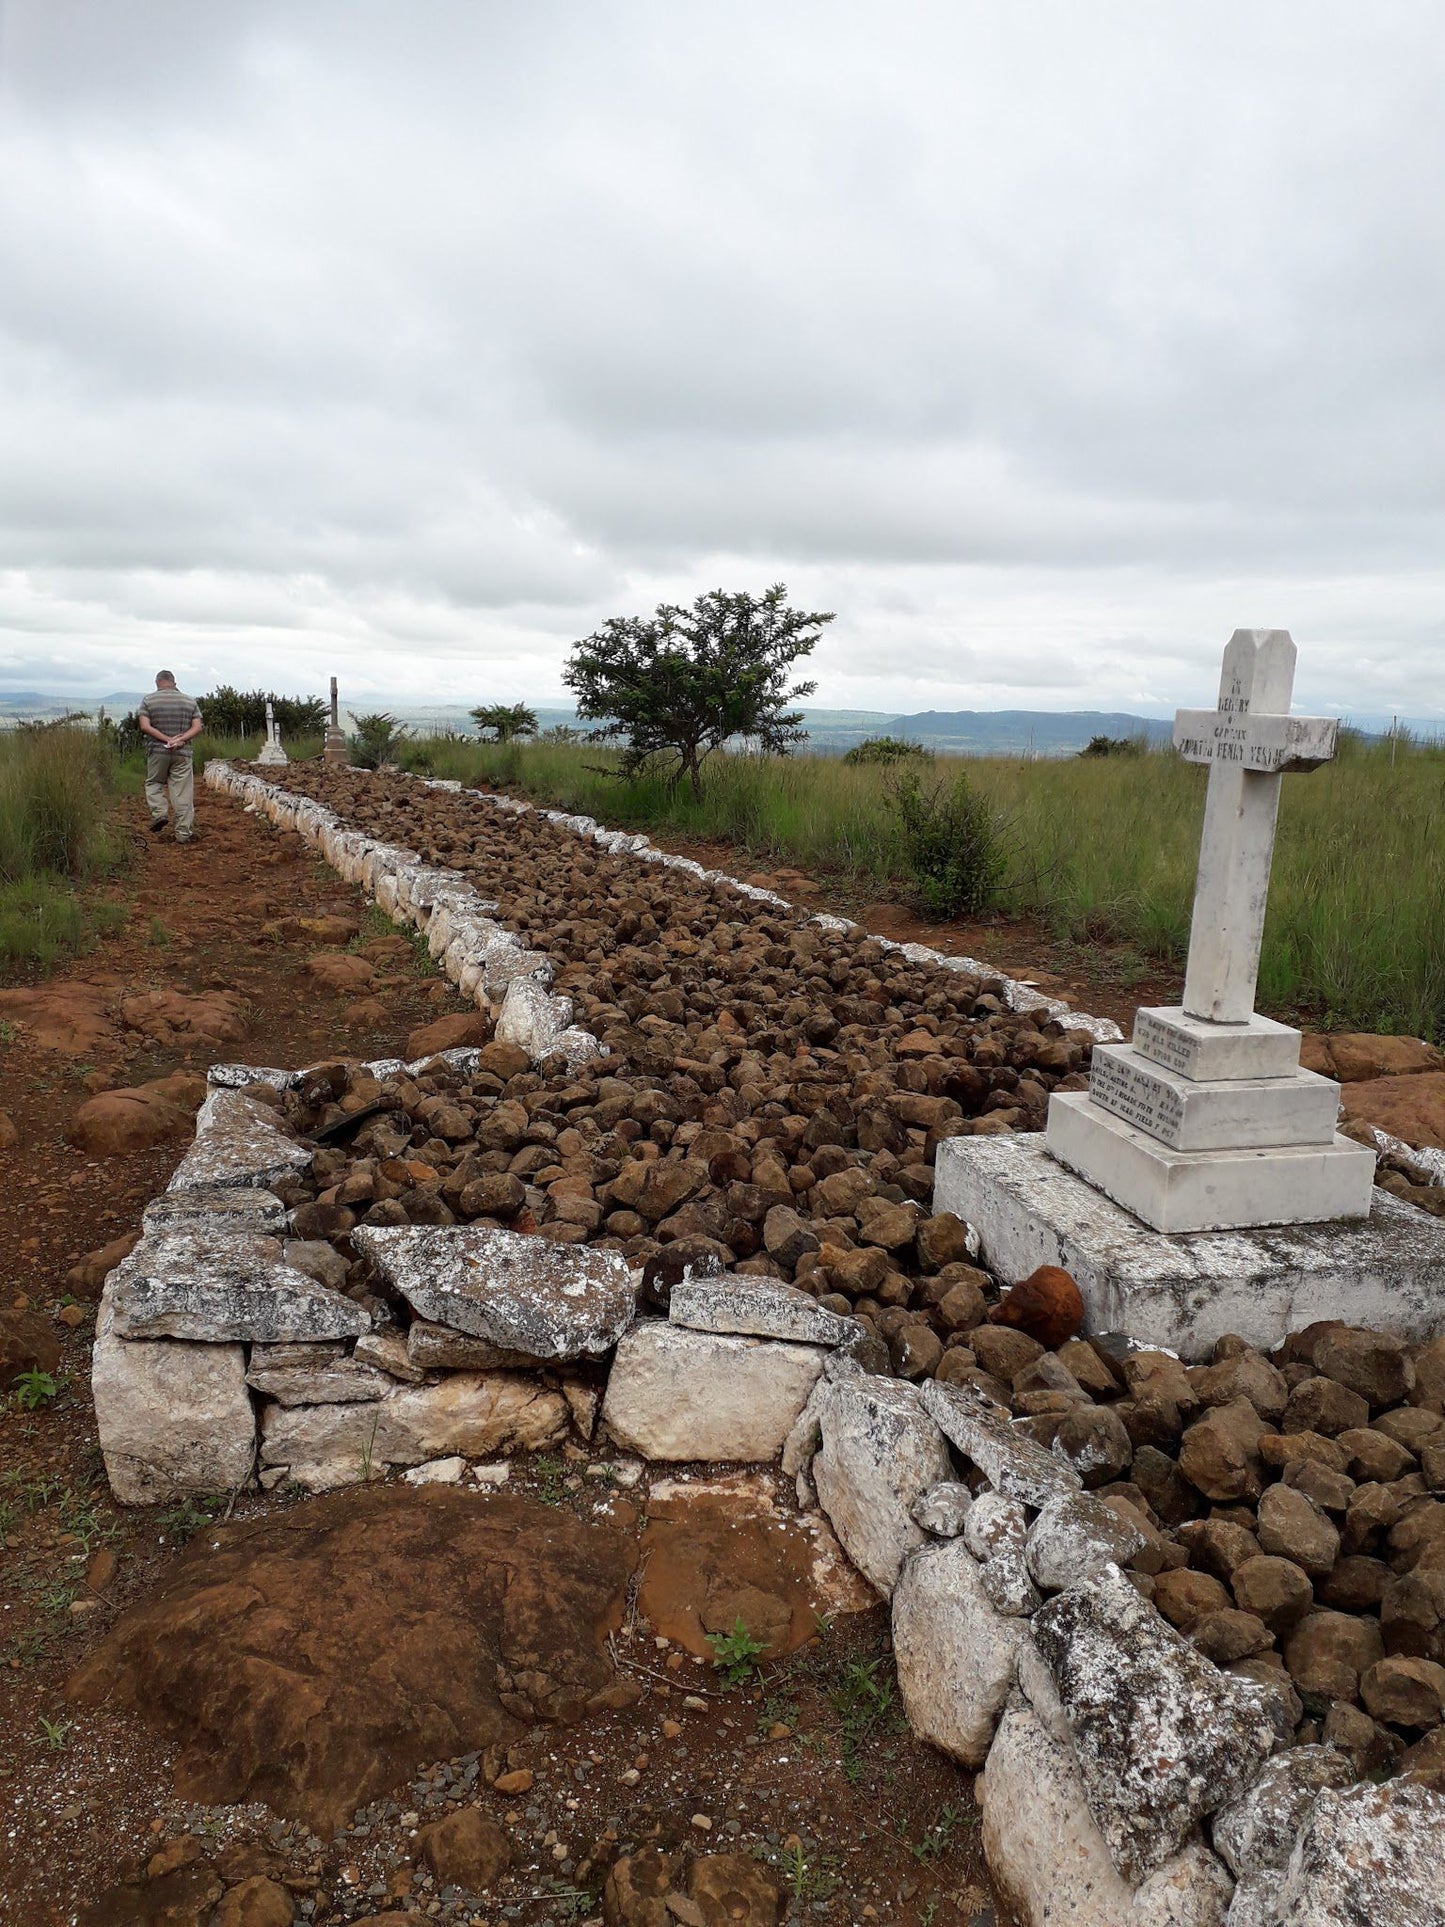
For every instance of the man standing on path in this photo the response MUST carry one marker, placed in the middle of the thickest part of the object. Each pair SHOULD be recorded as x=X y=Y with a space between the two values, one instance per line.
x=172 y=721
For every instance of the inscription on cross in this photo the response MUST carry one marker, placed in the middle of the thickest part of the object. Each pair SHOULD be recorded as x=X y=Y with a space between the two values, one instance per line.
x=1249 y=741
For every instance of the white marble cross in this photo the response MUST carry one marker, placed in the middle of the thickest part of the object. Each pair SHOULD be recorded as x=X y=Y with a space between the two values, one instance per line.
x=270 y=722
x=1249 y=742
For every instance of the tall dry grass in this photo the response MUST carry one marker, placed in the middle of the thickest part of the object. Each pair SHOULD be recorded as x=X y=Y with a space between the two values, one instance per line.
x=1101 y=849
x=56 y=786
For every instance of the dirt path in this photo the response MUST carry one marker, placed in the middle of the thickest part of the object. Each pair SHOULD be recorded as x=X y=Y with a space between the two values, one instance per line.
x=809 y=1770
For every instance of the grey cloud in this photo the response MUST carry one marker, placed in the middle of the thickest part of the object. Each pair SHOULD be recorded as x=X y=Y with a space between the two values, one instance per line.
x=1045 y=345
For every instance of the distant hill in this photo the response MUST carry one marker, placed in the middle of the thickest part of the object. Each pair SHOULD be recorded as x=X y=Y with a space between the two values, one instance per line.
x=999 y=732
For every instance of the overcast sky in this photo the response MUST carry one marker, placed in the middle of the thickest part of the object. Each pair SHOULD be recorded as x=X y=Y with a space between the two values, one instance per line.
x=1045 y=343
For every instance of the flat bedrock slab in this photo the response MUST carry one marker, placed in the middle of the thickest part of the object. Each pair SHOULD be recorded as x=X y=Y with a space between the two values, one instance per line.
x=1048 y=1858
x=222 y=1287
x=467 y=1413
x=1179 y=1191
x=237 y=1142
x=955 y=1653
x=173 y=1418
x=758 y=1308
x=880 y=1451
x=1387 y=1271
x=524 y=1293
x=1162 y=1737
x=676 y=1394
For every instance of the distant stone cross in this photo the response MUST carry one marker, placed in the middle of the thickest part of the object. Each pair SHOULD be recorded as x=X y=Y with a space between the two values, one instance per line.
x=1249 y=742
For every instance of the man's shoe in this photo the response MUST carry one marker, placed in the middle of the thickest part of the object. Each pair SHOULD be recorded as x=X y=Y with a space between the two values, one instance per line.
x=158 y=823
x=184 y=839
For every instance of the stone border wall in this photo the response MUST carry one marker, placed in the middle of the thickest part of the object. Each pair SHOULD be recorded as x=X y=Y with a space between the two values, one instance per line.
x=1127 y=1780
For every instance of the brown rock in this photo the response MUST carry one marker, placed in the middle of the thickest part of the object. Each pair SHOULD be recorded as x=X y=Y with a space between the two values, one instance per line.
x=27 y=1344
x=1330 y=1491
x=1291 y=1527
x=1245 y=1375
x=498 y=1195
x=1322 y=1404
x=633 y=1894
x=119 y=1122
x=1424 y=1762
x=1079 y=1358
x=1185 y=1597
x=916 y=1351
x=1216 y=1545
x=288 y=1666
x=1219 y=1454
x=733 y=1890
x=1412 y=1108
x=1047 y=1305
x=942 y=1240
x=462 y=1027
x=1229 y=1635
x=962 y=1307
x=1092 y=1438
x=335 y=970
x=1277 y=1590
x=1375 y=1455
x=180 y=1899
x=890 y=1227
x=1327 y=1652
x=787 y=1236
x=465 y=1849
x=1353 y=1057
x=1373 y=1364
x=85 y=1280
x=1280 y=1450
x=257 y=1902
x=519 y=1780
x=1002 y=1352
x=1406 y=1692
x=1357 y=1584
x=9 y=1132
x=1430 y=1376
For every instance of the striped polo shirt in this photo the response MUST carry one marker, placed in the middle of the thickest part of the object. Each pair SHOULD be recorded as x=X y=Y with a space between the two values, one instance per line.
x=170 y=712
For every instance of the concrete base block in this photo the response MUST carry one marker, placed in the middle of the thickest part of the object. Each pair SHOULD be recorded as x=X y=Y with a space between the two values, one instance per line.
x=1387 y=1270
x=1209 y=1190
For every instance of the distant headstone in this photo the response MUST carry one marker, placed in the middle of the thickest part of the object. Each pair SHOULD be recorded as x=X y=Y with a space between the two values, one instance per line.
x=271 y=750
x=1206 y=1120
x=335 y=750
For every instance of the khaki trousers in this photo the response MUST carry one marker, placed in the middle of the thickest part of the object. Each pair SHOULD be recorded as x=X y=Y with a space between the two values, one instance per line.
x=172 y=771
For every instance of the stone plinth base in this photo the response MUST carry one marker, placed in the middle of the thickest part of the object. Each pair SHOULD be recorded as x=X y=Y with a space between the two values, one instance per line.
x=1387 y=1270
x=1210 y=1190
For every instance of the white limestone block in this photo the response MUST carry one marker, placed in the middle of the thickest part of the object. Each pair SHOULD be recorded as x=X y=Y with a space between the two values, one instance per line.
x=955 y=1653
x=677 y=1394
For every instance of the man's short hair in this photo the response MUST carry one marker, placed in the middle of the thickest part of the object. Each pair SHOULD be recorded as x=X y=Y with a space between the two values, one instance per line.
x=165 y=675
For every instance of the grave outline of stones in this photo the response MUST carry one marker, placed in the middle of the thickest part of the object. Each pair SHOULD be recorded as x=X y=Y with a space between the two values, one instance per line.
x=1206 y=1121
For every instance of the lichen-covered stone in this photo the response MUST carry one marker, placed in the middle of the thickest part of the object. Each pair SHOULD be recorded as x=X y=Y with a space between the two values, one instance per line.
x=955 y=1653
x=323 y=1381
x=1163 y=1737
x=173 y=1418
x=757 y=1308
x=880 y=1453
x=677 y=1394
x=996 y=1533
x=1075 y=1537
x=237 y=1142
x=1368 y=1856
x=1256 y=1832
x=217 y=1206
x=943 y=1509
x=1012 y=1463
x=471 y=1413
x=1048 y=1860
x=525 y=1293
x=214 y=1287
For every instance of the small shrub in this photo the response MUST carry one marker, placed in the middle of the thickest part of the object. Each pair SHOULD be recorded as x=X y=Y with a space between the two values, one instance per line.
x=884 y=749
x=1114 y=746
x=735 y=1654
x=952 y=845
x=34 y=1389
x=378 y=740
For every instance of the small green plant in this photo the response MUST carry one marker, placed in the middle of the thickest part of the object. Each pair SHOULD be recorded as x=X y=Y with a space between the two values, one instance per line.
x=159 y=935
x=34 y=1389
x=549 y=1473
x=55 y=1732
x=504 y=721
x=936 y=1838
x=182 y=1522
x=952 y=842
x=735 y=1654
x=368 y=1452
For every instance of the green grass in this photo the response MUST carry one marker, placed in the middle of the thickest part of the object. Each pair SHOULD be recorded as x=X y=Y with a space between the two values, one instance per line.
x=56 y=832
x=1101 y=849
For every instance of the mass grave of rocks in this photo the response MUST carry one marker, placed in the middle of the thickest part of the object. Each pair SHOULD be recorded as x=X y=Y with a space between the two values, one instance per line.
x=1183 y=1613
